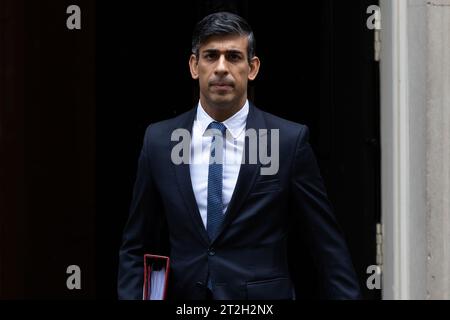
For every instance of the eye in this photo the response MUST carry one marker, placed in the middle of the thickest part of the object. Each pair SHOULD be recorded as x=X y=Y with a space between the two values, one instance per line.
x=234 y=57
x=210 y=56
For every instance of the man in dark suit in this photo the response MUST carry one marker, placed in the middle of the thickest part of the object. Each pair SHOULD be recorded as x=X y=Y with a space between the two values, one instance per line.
x=226 y=224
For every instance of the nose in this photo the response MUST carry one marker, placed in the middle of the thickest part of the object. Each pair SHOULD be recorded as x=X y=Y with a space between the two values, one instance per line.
x=221 y=66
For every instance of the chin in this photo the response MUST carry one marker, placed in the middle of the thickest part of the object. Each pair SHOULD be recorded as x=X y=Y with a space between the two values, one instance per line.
x=223 y=102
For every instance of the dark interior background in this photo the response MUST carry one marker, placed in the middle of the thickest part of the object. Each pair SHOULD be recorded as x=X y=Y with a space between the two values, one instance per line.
x=47 y=149
x=75 y=104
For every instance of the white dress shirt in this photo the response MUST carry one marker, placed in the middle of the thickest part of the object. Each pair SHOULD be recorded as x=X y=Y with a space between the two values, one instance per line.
x=232 y=156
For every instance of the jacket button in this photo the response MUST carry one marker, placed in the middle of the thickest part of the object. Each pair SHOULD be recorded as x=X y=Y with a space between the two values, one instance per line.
x=199 y=284
x=211 y=252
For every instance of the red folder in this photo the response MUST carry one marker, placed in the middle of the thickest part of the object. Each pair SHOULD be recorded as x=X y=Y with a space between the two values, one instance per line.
x=156 y=275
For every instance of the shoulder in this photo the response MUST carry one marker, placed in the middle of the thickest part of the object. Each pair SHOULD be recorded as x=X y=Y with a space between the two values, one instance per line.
x=162 y=130
x=290 y=129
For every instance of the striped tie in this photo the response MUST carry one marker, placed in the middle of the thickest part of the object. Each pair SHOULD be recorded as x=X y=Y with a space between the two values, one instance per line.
x=215 y=205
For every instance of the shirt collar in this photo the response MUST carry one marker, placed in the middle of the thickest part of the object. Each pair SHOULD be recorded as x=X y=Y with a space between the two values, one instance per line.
x=234 y=124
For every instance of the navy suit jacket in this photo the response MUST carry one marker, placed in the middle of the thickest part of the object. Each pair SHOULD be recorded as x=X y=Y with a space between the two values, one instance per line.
x=248 y=258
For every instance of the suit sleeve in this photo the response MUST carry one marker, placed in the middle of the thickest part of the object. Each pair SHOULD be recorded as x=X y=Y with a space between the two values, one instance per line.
x=323 y=234
x=142 y=230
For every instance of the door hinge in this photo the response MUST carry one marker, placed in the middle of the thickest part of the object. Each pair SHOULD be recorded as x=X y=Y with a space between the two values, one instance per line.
x=377 y=35
x=379 y=242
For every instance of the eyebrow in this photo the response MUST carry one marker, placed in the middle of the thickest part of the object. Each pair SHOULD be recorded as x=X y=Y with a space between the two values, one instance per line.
x=226 y=51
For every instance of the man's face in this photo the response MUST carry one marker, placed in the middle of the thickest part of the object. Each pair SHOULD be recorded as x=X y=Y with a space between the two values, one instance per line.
x=223 y=71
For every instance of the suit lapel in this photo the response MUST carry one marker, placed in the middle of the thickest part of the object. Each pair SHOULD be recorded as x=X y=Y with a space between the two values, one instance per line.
x=183 y=174
x=247 y=173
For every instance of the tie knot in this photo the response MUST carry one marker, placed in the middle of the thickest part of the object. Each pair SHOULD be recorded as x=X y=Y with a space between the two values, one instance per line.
x=218 y=126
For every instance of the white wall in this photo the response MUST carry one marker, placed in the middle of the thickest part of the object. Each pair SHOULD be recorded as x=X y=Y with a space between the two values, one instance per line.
x=438 y=149
x=415 y=133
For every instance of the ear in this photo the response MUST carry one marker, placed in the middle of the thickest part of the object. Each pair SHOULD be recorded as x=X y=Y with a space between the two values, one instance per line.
x=193 y=66
x=254 y=68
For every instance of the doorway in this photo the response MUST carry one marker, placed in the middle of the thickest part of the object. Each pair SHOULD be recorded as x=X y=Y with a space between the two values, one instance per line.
x=317 y=69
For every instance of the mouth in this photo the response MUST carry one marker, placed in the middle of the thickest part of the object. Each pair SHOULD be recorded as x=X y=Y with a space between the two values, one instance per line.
x=222 y=86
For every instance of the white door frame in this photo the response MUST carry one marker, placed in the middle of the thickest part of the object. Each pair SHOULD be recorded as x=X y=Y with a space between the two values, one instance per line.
x=403 y=91
x=394 y=146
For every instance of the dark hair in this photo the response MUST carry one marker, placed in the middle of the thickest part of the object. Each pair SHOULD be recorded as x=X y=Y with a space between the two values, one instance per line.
x=222 y=23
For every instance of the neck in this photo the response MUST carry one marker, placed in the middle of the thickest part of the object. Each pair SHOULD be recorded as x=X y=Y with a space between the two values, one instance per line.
x=221 y=113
